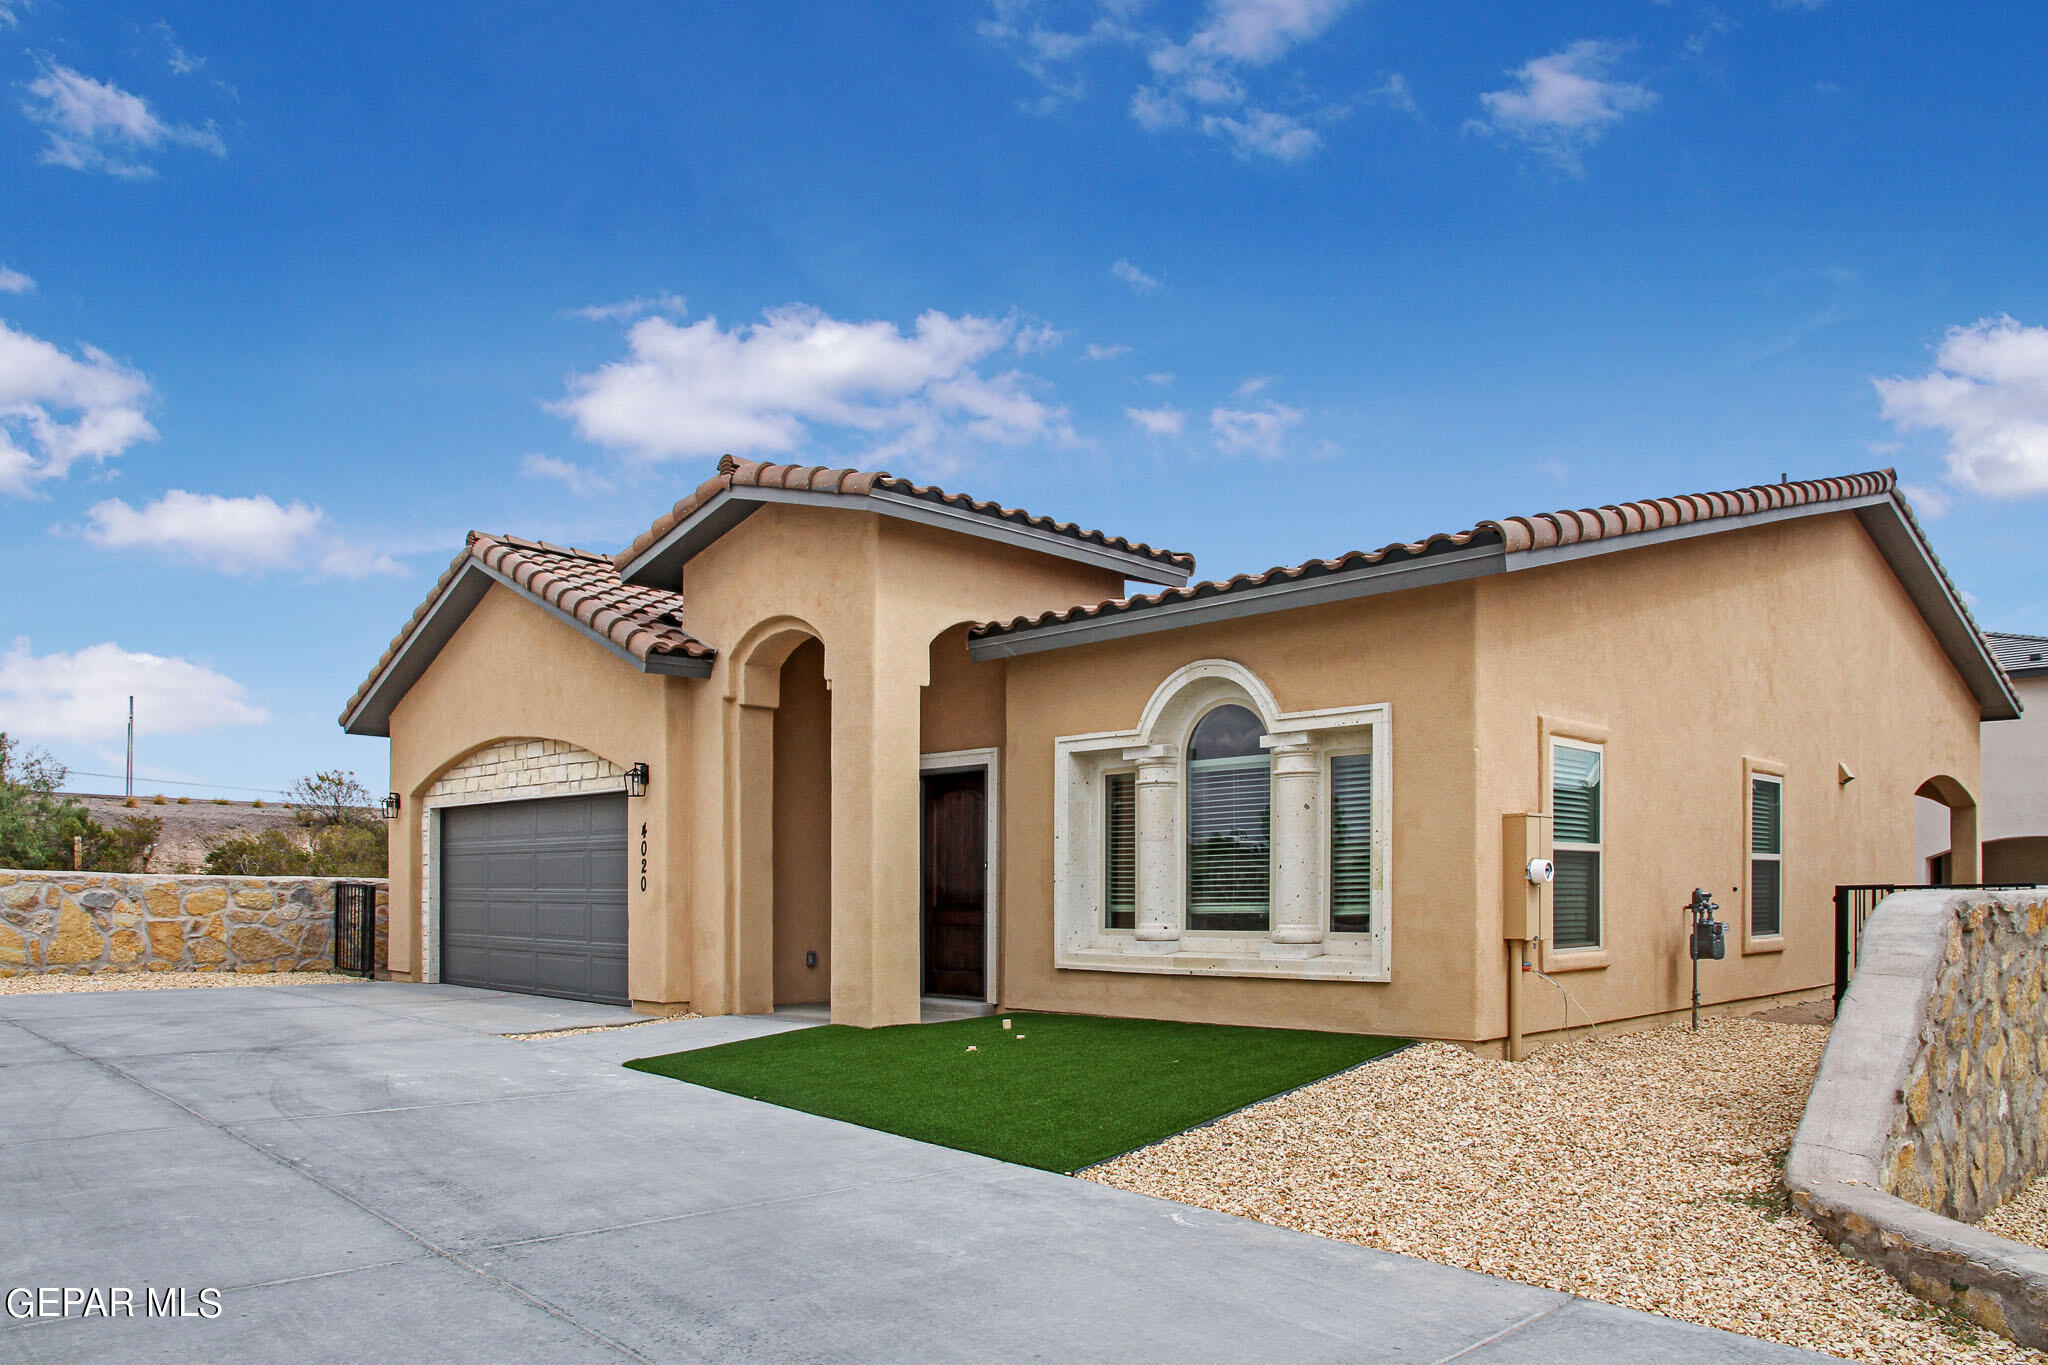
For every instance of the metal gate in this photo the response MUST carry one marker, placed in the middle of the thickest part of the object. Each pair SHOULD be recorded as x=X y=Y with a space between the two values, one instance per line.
x=1853 y=905
x=355 y=928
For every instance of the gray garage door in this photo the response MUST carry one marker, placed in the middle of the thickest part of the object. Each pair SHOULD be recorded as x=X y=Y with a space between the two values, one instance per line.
x=533 y=897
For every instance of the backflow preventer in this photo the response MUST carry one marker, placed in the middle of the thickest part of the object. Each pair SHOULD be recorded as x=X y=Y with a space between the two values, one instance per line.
x=1709 y=940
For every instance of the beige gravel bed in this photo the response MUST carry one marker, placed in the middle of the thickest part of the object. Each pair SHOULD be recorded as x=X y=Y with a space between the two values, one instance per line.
x=1640 y=1169
x=2024 y=1217
x=57 y=983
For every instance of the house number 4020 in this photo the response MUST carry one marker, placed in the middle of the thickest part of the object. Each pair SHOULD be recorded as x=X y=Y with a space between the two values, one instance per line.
x=643 y=857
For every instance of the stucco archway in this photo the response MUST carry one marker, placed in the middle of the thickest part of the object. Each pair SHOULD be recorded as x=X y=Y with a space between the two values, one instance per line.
x=1962 y=864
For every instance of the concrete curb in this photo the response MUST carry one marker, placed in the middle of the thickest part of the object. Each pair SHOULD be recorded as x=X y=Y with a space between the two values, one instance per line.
x=1835 y=1172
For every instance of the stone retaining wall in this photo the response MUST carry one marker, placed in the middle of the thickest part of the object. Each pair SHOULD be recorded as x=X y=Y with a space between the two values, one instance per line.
x=1931 y=1103
x=89 y=923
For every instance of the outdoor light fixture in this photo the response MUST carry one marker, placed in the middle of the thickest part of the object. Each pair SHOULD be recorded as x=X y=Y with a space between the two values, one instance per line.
x=636 y=780
x=391 y=806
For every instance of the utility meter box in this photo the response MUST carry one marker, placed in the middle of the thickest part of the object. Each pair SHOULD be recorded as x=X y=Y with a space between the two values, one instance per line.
x=1521 y=896
x=1709 y=941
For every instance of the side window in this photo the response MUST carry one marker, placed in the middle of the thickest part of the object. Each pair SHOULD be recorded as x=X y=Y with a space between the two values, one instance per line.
x=1766 y=856
x=1229 y=814
x=1120 y=851
x=1577 y=816
x=1351 y=844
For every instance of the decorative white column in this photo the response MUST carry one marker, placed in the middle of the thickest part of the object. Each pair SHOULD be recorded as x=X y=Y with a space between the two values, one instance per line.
x=1158 y=799
x=1297 y=908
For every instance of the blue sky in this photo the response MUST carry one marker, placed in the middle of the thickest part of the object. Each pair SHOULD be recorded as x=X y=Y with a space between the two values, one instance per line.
x=293 y=297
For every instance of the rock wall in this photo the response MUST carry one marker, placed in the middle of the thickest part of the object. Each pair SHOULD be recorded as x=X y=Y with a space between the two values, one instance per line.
x=90 y=922
x=1973 y=1128
x=1932 y=1099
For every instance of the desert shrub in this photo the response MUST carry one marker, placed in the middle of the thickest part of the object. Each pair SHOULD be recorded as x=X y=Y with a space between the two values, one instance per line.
x=267 y=853
x=120 y=848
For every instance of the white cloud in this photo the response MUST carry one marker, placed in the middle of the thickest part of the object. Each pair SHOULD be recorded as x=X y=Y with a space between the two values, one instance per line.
x=14 y=282
x=1043 y=336
x=1158 y=421
x=1254 y=431
x=1929 y=501
x=1134 y=277
x=39 y=385
x=766 y=387
x=1393 y=92
x=1160 y=377
x=84 y=695
x=1988 y=393
x=1204 y=81
x=625 y=310
x=97 y=126
x=1258 y=383
x=234 y=535
x=1564 y=102
x=574 y=477
x=1095 y=352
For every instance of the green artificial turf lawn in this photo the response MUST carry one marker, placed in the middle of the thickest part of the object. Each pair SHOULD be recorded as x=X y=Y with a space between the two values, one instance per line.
x=1055 y=1091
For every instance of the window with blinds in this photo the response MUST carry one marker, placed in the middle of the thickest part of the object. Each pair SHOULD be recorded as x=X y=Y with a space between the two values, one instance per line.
x=1766 y=856
x=1229 y=795
x=1120 y=851
x=1576 y=846
x=1351 y=844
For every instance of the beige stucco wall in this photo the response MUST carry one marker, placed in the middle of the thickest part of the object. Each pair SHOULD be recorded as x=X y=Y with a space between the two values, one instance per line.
x=963 y=702
x=1790 y=646
x=1411 y=651
x=515 y=671
x=803 y=830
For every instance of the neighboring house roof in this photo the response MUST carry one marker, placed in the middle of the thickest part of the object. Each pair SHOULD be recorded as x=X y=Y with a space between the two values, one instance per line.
x=2021 y=656
x=1524 y=542
x=742 y=486
x=641 y=625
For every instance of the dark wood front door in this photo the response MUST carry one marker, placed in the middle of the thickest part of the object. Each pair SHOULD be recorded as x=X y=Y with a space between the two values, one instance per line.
x=955 y=884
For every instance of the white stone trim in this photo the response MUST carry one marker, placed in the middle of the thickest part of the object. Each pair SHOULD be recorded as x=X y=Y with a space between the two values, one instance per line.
x=1081 y=942
x=511 y=770
x=990 y=761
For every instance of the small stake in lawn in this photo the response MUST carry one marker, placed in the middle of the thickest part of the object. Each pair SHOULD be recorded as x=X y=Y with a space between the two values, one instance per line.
x=1709 y=939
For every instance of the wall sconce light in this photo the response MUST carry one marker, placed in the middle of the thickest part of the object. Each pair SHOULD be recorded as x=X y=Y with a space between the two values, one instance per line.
x=391 y=806
x=636 y=780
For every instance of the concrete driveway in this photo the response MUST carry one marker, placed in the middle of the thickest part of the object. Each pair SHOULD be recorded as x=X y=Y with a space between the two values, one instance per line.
x=368 y=1172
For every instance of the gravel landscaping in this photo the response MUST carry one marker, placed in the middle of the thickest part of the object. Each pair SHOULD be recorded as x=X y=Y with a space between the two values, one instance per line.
x=1640 y=1169
x=2024 y=1217
x=58 y=983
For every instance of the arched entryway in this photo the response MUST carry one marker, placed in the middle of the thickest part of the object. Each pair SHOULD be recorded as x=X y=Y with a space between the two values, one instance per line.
x=1961 y=863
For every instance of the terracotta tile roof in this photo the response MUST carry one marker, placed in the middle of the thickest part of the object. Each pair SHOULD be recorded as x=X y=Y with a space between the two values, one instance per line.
x=2019 y=655
x=1513 y=534
x=643 y=622
x=733 y=473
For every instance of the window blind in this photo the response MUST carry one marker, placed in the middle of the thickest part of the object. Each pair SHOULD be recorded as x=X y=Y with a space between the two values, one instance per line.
x=1351 y=843
x=1229 y=843
x=1120 y=854
x=1766 y=839
x=1575 y=806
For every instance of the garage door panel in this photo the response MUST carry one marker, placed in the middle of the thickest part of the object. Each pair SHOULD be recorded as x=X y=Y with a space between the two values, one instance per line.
x=533 y=896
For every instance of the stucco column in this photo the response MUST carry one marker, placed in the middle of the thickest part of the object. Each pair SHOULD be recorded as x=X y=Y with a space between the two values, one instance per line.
x=1158 y=799
x=877 y=950
x=1297 y=780
x=1965 y=852
x=747 y=985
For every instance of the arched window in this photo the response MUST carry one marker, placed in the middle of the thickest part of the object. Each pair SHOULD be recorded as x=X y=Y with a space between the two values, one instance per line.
x=1229 y=823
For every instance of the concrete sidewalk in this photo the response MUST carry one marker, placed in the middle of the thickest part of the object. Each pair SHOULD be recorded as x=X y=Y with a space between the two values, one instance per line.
x=370 y=1172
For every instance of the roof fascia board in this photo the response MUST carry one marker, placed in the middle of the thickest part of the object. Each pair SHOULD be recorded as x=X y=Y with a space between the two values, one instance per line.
x=1584 y=549
x=1902 y=546
x=1451 y=566
x=663 y=560
x=449 y=611
x=372 y=715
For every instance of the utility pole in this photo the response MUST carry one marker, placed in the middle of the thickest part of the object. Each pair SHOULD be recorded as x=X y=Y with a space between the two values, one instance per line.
x=130 y=793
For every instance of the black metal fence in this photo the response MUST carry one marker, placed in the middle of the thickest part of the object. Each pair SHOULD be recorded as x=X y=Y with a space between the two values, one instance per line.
x=355 y=928
x=1853 y=905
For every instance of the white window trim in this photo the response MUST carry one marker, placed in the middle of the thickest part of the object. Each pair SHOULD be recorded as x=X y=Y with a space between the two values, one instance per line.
x=1082 y=943
x=1599 y=944
x=990 y=761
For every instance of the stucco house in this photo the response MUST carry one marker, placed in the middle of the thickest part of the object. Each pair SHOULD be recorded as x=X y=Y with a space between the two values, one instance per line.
x=827 y=735
x=2014 y=827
